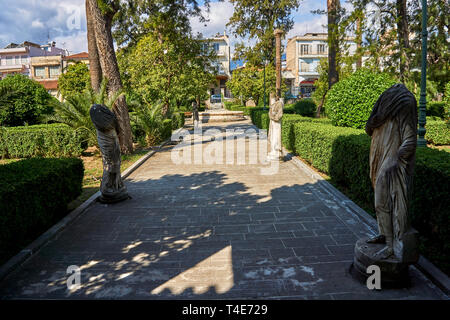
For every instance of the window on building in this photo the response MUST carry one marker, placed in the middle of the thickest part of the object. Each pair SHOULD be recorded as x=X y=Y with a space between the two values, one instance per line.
x=321 y=48
x=9 y=61
x=216 y=46
x=17 y=59
x=24 y=60
x=304 y=66
x=55 y=71
x=304 y=49
x=39 y=72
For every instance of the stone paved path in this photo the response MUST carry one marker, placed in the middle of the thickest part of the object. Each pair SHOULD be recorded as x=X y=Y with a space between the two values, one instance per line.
x=216 y=231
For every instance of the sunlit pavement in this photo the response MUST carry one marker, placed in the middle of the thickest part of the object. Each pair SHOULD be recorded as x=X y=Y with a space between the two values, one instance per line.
x=209 y=231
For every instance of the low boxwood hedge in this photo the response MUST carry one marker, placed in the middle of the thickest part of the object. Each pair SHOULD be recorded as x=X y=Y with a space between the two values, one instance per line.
x=46 y=140
x=438 y=132
x=34 y=194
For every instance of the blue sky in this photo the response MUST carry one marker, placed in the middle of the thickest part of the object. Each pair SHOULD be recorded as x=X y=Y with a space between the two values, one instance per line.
x=64 y=21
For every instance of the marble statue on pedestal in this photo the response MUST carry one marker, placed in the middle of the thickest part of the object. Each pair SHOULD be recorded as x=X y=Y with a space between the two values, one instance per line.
x=393 y=128
x=112 y=187
x=275 y=115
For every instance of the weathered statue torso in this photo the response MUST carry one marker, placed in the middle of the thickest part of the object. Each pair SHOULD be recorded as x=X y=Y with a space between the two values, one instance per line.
x=393 y=127
x=105 y=121
x=275 y=115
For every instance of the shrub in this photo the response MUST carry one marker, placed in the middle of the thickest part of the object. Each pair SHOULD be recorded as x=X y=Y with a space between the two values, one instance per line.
x=74 y=80
x=435 y=109
x=34 y=194
x=287 y=125
x=305 y=107
x=177 y=120
x=350 y=101
x=343 y=154
x=166 y=130
x=447 y=102
x=260 y=117
x=438 y=132
x=27 y=101
x=46 y=140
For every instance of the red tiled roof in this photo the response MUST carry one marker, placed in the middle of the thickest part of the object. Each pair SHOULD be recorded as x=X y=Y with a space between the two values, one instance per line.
x=49 y=84
x=81 y=55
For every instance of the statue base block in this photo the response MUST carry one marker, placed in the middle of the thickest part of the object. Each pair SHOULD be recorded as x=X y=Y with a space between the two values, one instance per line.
x=115 y=199
x=394 y=273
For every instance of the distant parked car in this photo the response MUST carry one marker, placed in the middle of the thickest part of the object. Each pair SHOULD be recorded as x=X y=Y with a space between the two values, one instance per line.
x=216 y=98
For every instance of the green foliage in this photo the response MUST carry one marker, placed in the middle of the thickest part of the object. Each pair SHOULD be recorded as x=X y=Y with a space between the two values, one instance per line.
x=248 y=83
x=46 y=140
x=74 y=112
x=305 y=107
x=447 y=102
x=438 y=132
x=24 y=101
x=150 y=128
x=34 y=194
x=257 y=19
x=260 y=117
x=75 y=80
x=180 y=70
x=177 y=120
x=350 y=101
x=435 y=109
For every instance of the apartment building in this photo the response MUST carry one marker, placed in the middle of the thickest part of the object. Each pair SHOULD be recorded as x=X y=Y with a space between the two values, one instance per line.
x=74 y=58
x=221 y=45
x=42 y=63
x=303 y=54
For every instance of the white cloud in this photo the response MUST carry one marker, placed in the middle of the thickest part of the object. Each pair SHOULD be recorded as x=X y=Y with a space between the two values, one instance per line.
x=37 y=24
x=317 y=24
x=218 y=16
x=74 y=43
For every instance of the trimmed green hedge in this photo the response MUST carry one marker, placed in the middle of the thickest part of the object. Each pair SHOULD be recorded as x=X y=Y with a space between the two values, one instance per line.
x=305 y=107
x=438 y=132
x=166 y=129
x=34 y=194
x=350 y=101
x=46 y=140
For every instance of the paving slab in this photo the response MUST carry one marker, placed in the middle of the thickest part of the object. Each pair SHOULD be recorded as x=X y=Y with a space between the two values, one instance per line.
x=210 y=231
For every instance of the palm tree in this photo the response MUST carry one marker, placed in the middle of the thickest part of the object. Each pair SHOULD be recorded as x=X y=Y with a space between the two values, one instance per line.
x=74 y=111
x=149 y=119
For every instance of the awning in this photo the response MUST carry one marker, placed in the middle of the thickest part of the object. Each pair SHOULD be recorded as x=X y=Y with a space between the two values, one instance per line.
x=308 y=82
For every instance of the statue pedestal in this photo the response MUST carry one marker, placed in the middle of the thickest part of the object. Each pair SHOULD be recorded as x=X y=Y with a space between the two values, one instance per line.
x=394 y=273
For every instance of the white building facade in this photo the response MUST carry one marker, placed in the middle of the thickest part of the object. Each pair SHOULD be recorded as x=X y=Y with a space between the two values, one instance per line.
x=221 y=46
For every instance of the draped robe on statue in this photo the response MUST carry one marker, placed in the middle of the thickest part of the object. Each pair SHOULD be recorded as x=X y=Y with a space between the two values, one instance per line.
x=105 y=121
x=275 y=115
x=393 y=127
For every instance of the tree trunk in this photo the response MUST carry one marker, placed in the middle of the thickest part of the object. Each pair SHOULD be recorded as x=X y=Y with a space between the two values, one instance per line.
x=403 y=37
x=359 y=42
x=110 y=68
x=333 y=41
x=95 y=69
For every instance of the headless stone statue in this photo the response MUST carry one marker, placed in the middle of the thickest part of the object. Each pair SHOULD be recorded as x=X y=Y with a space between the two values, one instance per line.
x=112 y=187
x=275 y=115
x=393 y=128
